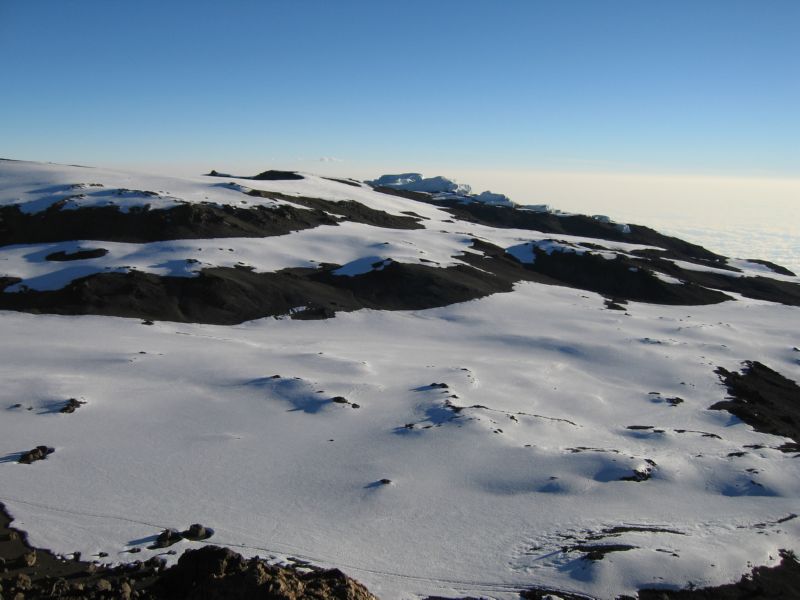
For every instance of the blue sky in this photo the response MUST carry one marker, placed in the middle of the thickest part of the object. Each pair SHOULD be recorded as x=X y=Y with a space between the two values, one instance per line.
x=686 y=87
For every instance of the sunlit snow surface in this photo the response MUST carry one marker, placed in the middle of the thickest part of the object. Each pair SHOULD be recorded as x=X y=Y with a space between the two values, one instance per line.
x=185 y=423
x=35 y=187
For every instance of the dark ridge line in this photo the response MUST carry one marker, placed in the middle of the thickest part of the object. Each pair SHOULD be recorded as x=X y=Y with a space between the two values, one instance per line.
x=584 y=226
x=418 y=196
x=269 y=175
x=349 y=209
x=350 y=182
x=577 y=225
x=595 y=552
x=756 y=287
x=275 y=175
x=765 y=400
x=775 y=268
x=614 y=278
x=187 y=221
x=141 y=225
x=227 y=296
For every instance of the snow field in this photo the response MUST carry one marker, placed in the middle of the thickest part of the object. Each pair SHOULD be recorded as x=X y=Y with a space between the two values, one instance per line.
x=198 y=430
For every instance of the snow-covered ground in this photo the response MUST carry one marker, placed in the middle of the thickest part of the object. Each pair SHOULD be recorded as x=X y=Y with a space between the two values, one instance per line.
x=35 y=187
x=519 y=457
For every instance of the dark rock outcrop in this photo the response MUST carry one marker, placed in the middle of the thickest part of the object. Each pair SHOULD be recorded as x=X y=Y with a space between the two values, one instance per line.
x=274 y=175
x=229 y=296
x=207 y=573
x=349 y=210
x=269 y=175
x=212 y=573
x=185 y=221
x=71 y=405
x=579 y=225
x=765 y=400
x=62 y=256
x=772 y=266
x=38 y=453
x=232 y=295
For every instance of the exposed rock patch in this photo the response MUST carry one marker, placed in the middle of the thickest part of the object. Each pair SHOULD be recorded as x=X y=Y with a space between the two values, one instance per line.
x=185 y=221
x=641 y=474
x=273 y=175
x=38 y=453
x=350 y=210
x=350 y=182
x=62 y=256
x=167 y=538
x=618 y=278
x=772 y=266
x=197 y=532
x=756 y=287
x=615 y=304
x=598 y=551
x=214 y=573
x=269 y=175
x=8 y=282
x=408 y=195
x=765 y=400
x=71 y=405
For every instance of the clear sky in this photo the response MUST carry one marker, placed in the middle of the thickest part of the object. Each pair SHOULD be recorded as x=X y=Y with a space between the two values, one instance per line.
x=459 y=87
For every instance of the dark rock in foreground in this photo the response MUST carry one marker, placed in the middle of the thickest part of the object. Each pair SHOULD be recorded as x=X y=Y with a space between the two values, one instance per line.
x=208 y=573
x=219 y=573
